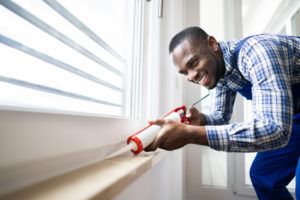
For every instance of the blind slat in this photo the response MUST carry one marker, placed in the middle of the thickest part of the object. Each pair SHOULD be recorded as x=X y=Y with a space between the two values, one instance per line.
x=54 y=91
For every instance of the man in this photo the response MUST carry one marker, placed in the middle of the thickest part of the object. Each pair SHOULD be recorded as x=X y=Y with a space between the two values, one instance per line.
x=264 y=68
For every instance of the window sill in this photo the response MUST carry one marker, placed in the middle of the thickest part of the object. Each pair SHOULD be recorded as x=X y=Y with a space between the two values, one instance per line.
x=102 y=180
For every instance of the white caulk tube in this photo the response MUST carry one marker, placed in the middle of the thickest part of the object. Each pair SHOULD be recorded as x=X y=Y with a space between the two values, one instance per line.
x=141 y=139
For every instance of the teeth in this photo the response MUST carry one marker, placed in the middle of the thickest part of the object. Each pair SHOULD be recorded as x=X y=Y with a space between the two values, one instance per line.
x=201 y=76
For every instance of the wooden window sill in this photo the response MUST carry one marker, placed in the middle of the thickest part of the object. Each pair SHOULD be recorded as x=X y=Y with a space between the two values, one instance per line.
x=101 y=180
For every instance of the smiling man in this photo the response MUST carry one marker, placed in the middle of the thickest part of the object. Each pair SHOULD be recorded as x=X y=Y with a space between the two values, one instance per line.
x=263 y=68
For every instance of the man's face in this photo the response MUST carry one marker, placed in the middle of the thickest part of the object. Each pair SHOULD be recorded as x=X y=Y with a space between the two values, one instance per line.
x=201 y=63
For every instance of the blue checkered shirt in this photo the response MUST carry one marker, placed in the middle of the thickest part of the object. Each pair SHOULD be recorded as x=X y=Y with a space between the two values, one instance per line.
x=271 y=63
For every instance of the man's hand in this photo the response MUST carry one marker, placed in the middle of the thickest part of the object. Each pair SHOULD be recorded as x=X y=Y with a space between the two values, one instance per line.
x=195 y=117
x=175 y=135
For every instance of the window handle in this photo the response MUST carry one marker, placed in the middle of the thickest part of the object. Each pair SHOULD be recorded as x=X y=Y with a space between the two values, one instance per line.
x=160 y=8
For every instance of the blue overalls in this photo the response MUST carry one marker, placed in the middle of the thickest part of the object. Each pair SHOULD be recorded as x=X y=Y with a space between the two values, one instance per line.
x=271 y=171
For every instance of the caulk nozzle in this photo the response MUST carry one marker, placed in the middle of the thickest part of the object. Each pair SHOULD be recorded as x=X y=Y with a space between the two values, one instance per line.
x=125 y=149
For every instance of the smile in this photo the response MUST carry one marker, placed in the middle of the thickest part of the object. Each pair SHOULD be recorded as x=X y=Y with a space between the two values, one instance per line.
x=202 y=76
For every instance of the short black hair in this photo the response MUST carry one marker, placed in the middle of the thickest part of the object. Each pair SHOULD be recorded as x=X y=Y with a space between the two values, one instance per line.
x=193 y=33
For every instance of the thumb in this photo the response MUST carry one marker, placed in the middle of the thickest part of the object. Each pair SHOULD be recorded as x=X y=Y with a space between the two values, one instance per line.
x=190 y=112
x=154 y=144
x=158 y=122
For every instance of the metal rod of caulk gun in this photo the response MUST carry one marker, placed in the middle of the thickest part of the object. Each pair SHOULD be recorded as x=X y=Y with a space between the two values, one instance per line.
x=199 y=100
x=131 y=146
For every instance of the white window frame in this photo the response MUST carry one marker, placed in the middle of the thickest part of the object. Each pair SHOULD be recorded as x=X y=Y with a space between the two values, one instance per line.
x=39 y=144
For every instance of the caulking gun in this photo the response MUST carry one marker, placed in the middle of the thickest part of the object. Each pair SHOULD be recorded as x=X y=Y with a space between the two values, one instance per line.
x=142 y=138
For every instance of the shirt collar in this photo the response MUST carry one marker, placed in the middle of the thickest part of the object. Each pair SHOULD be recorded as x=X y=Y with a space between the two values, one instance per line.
x=227 y=49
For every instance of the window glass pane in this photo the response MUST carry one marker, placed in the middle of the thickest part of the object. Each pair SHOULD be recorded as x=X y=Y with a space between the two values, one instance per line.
x=205 y=103
x=38 y=71
x=248 y=161
x=214 y=163
x=214 y=168
x=63 y=57
x=108 y=19
x=58 y=102
x=92 y=14
x=43 y=42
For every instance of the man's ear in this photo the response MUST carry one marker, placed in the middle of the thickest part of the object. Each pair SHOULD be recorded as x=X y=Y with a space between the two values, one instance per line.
x=213 y=43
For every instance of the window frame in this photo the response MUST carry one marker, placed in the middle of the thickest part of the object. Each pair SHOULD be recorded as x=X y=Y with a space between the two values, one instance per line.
x=69 y=140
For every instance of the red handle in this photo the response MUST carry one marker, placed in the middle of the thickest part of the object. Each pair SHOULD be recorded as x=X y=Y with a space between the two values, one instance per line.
x=183 y=118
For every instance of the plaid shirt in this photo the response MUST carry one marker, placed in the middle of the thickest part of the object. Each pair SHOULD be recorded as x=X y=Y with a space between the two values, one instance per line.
x=271 y=63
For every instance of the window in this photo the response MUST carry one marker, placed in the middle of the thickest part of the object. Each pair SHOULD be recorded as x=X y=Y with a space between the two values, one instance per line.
x=65 y=66
x=77 y=56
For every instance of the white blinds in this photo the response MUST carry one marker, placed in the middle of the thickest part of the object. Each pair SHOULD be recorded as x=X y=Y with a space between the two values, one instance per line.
x=65 y=55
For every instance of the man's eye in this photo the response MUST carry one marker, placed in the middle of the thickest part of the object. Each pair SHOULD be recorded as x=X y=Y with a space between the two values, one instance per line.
x=195 y=62
x=183 y=73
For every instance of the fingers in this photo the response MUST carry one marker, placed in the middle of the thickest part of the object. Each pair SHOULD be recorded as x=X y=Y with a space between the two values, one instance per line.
x=158 y=122
x=155 y=144
x=191 y=111
x=158 y=140
x=152 y=147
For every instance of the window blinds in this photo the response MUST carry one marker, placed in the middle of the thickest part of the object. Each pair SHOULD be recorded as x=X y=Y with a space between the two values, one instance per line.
x=55 y=55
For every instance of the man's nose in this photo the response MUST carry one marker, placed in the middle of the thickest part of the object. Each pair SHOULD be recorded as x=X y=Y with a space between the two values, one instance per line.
x=192 y=75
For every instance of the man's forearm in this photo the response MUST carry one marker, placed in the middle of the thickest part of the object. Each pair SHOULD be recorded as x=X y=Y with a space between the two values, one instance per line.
x=197 y=135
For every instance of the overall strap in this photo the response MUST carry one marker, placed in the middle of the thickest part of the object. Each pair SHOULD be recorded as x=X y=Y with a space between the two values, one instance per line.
x=246 y=90
x=238 y=48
